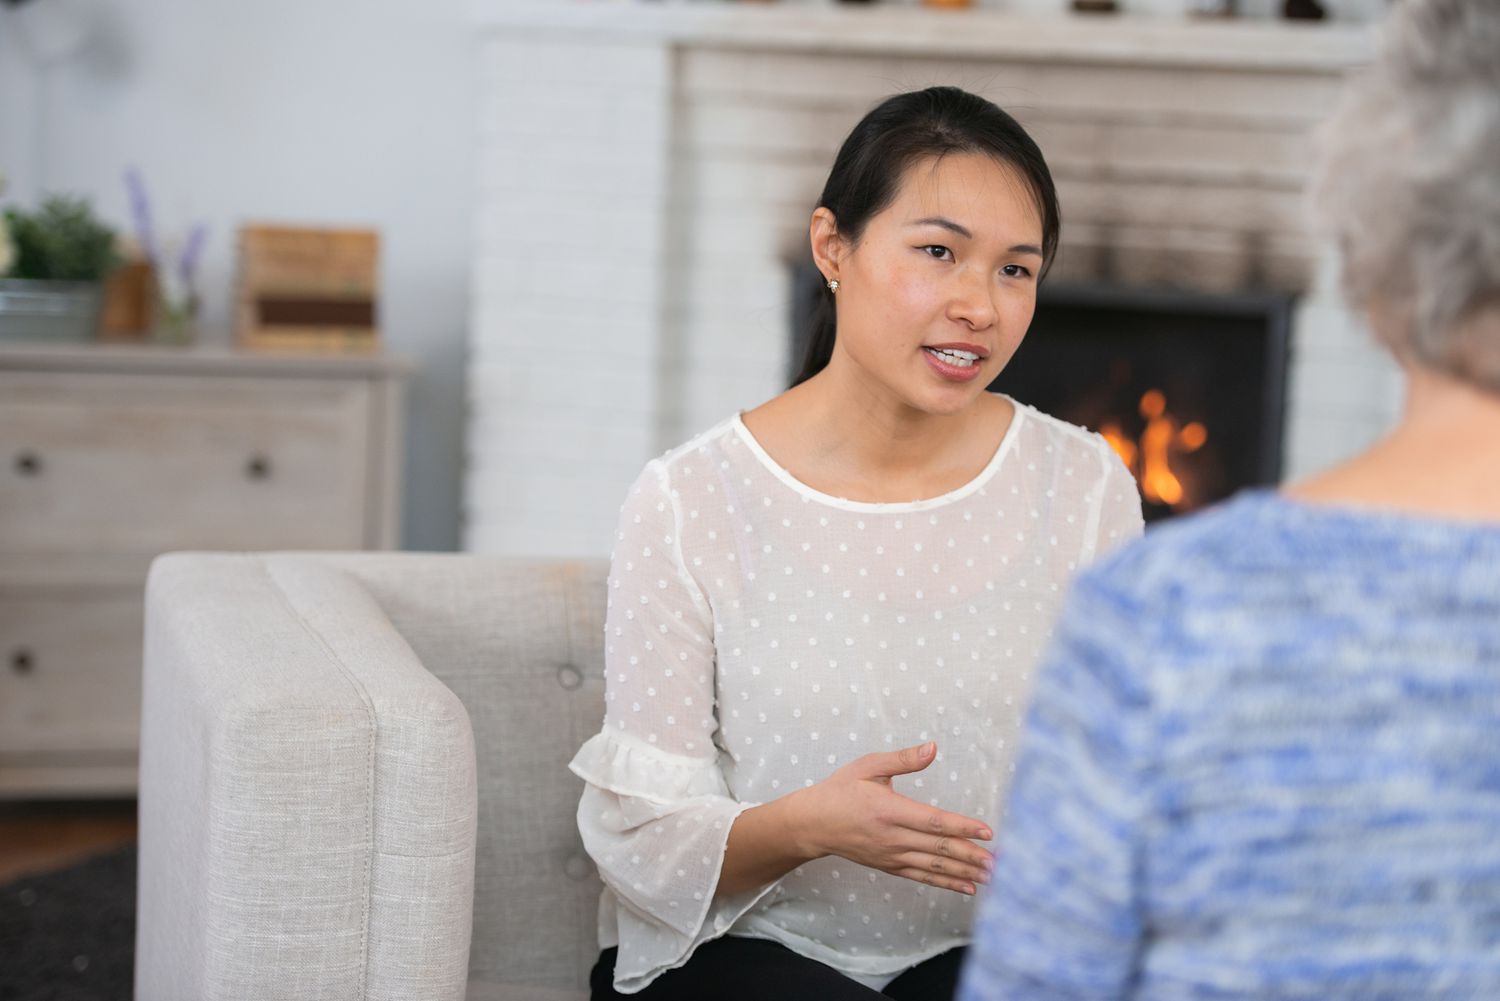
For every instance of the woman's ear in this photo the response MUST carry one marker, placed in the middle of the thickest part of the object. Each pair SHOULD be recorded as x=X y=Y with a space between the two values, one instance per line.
x=827 y=244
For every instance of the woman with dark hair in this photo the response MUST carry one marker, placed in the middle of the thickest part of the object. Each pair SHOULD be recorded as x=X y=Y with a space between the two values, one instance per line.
x=824 y=612
x=1263 y=759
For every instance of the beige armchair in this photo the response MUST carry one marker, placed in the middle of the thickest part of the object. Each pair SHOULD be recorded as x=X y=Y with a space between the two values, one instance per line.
x=354 y=777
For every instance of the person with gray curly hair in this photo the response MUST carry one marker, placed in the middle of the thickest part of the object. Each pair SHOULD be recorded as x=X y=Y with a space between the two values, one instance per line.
x=1263 y=755
x=1409 y=186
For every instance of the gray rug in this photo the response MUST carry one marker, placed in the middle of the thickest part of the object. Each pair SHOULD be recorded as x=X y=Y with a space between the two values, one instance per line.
x=69 y=935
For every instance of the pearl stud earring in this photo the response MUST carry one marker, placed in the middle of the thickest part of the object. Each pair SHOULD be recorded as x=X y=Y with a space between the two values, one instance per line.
x=833 y=284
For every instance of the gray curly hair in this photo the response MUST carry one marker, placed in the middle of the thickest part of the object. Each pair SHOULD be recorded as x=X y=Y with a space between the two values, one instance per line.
x=1409 y=187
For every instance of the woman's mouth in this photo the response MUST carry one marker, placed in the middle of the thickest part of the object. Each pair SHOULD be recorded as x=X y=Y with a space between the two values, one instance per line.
x=963 y=359
x=953 y=364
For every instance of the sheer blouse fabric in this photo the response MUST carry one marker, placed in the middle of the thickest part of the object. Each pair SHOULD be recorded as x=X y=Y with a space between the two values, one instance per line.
x=761 y=634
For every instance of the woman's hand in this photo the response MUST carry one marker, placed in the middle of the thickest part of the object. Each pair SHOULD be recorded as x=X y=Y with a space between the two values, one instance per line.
x=855 y=814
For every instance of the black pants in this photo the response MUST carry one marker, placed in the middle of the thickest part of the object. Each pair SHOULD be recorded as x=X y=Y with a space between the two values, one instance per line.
x=752 y=969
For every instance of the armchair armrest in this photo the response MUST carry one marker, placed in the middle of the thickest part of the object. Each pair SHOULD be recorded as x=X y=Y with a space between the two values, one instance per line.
x=307 y=792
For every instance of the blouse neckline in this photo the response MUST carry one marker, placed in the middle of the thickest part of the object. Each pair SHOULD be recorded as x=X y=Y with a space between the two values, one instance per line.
x=809 y=493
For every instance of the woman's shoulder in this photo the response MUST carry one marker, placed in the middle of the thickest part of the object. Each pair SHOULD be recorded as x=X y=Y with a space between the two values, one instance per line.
x=707 y=445
x=1067 y=441
x=676 y=469
x=673 y=480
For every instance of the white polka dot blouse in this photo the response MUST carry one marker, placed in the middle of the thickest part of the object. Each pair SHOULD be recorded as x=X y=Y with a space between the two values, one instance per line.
x=761 y=634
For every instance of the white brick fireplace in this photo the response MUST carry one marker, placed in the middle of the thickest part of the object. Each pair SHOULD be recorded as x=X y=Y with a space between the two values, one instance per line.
x=647 y=171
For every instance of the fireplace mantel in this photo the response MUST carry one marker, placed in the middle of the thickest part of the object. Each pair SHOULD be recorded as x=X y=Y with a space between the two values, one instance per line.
x=976 y=33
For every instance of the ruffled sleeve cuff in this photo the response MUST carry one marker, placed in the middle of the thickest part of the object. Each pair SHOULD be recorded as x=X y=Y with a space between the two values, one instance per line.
x=657 y=825
x=627 y=766
x=647 y=949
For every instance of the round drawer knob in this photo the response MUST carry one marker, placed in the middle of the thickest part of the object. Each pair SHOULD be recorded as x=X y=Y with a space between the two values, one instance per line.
x=22 y=661
x=28 y=463
x=569 y=677
x=577 y=867
x=259 y=467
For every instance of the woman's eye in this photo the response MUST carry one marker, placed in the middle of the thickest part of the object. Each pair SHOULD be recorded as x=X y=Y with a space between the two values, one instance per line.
x=1016 y=271
x=937 y=251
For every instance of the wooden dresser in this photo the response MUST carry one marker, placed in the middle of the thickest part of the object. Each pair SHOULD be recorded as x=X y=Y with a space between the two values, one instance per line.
x=112 y=455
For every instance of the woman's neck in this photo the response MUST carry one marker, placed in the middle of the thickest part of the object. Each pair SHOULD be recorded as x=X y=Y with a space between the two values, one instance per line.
x=1442 y=459
x=850 y=436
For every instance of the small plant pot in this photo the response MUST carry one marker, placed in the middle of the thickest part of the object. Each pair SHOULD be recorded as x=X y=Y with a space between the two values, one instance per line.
x=48 y=311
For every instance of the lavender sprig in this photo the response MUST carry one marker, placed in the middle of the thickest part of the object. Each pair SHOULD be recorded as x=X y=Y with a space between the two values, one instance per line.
x=140 y=209
x=188 y=263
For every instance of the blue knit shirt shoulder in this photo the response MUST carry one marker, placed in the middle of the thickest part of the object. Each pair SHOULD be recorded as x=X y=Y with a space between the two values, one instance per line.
x=1262 y=761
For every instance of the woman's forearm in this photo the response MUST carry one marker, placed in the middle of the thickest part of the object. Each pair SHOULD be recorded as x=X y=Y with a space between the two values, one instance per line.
x=765 y=843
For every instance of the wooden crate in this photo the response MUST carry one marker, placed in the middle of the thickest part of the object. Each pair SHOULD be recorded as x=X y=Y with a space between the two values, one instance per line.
x=307 y=289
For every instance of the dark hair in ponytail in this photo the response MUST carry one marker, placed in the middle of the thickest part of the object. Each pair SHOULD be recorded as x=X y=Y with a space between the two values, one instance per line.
x=898 y=132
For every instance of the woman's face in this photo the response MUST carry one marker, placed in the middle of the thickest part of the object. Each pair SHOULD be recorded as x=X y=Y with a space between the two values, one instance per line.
x=935 y=297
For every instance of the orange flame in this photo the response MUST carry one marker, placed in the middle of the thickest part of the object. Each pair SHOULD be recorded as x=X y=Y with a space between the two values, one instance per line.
x=1149 y=458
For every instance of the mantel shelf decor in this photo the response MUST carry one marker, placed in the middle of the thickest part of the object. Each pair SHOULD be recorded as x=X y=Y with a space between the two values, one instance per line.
x=877 y=29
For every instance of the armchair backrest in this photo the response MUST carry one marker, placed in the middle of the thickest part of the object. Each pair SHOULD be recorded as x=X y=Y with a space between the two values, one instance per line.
x=521 y=643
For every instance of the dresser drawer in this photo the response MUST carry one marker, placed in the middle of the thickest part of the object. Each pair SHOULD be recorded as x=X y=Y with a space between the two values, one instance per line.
x=70 y=671
x=146 y=463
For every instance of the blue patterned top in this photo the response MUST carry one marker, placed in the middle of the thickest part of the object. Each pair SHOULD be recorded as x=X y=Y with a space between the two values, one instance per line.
x=1262 y=761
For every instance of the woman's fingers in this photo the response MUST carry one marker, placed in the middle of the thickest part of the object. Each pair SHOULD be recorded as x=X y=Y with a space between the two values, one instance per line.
x=884 y=764
x=888 y=831
x=945 y=866
x=940 y=823
x=947 y=846
x=939 y=880
x=963 y=851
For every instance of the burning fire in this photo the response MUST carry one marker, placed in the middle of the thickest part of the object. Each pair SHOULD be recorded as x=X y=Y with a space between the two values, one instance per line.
x=1149 y=458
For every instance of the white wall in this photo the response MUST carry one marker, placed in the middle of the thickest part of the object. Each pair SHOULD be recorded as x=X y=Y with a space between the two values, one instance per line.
x=337 y=112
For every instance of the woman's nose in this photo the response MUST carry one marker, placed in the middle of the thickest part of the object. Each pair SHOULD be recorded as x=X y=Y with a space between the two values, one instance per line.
x=973 y=300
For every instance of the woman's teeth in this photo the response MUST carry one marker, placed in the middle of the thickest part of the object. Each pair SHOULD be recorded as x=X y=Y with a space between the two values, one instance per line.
x=963 y=359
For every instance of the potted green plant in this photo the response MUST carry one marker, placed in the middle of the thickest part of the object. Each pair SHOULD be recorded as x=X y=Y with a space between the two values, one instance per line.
x=53 y=286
